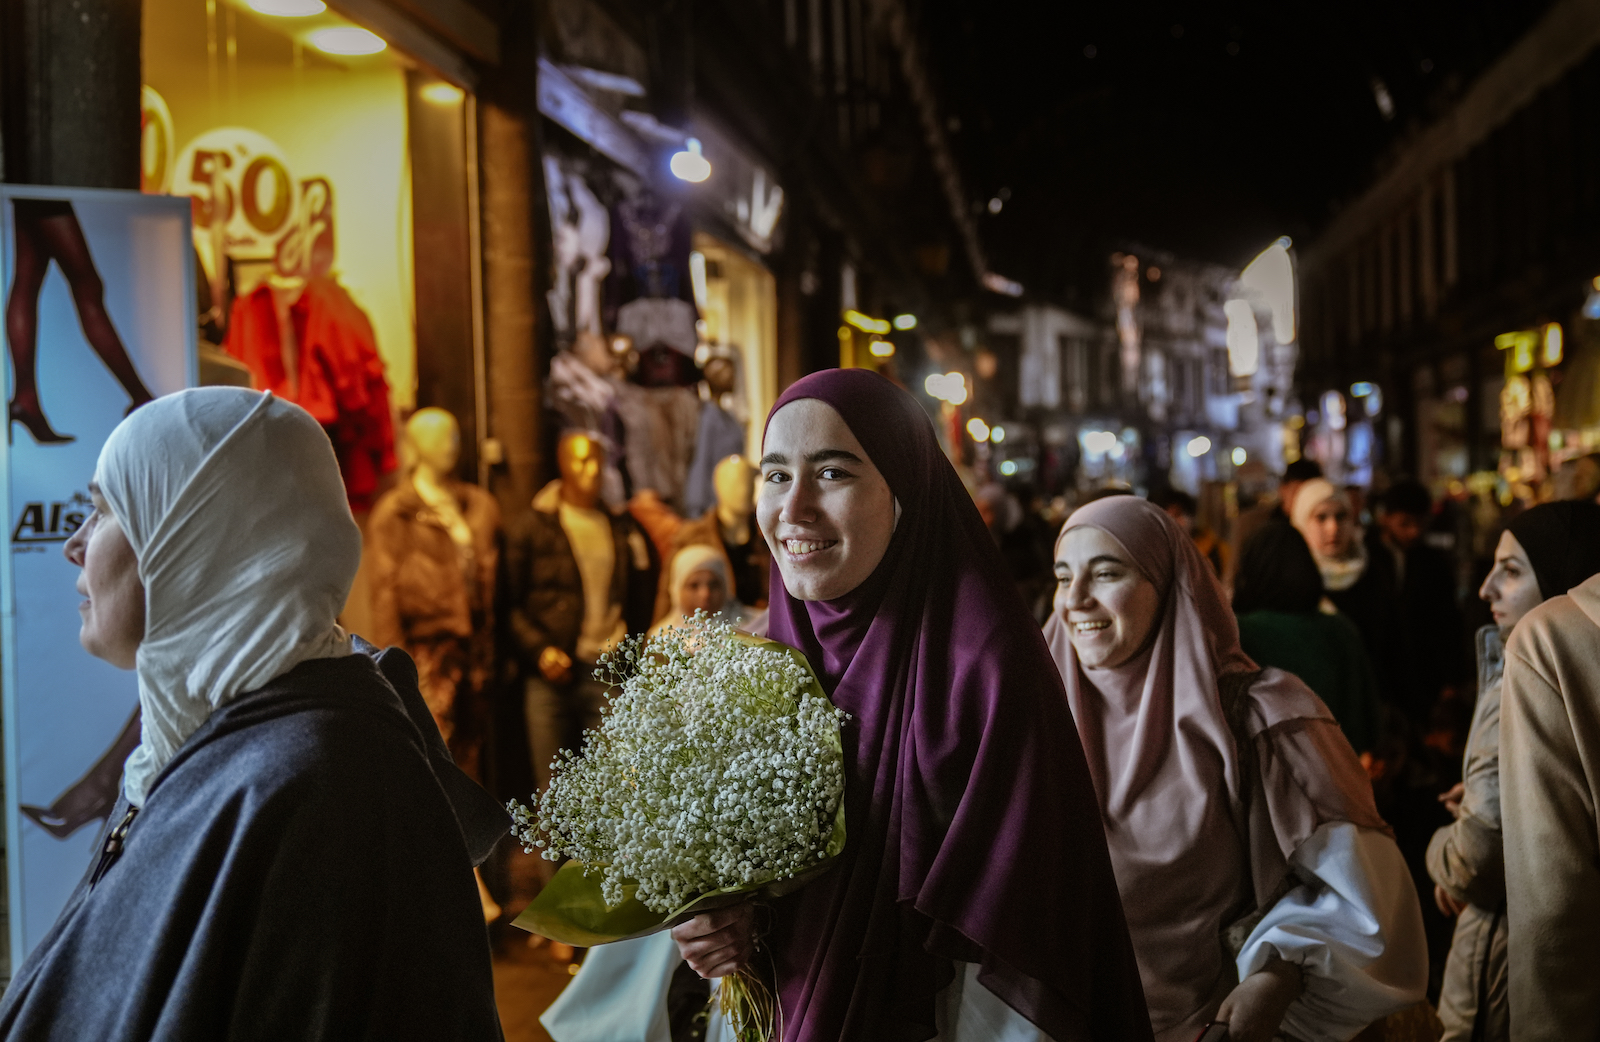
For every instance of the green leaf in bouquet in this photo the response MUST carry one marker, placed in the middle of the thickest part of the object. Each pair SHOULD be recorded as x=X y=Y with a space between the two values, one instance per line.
x=571 y=908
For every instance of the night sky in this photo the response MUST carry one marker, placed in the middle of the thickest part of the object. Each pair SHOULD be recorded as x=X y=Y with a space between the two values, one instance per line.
x=1204 y=129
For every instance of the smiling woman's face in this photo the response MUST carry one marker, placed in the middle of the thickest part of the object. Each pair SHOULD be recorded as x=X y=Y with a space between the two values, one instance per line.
x=113 y=594
x=1107 y=603
x=825 y=510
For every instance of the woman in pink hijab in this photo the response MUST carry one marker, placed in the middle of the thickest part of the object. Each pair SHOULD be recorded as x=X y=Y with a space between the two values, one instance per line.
x=1261 y=888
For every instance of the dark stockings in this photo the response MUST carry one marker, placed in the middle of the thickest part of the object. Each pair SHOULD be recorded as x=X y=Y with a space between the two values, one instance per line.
x=39 y=240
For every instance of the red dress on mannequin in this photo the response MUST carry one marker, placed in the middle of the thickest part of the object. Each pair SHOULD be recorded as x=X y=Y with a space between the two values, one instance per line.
x=339 y=378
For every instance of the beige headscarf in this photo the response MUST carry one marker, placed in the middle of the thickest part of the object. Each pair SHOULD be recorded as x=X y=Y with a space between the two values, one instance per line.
x=1338 y=573
x=698 y=558
x=1167 y=769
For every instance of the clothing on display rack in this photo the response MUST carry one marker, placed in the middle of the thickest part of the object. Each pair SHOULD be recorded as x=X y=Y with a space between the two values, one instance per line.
x=432 y=551
x=314 y=346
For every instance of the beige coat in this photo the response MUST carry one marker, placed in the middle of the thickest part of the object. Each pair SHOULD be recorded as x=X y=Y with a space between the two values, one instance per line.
x=1465 y=858
x=1549 y=789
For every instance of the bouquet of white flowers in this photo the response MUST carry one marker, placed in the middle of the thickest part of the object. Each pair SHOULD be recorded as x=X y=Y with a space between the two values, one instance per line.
x=716 y=775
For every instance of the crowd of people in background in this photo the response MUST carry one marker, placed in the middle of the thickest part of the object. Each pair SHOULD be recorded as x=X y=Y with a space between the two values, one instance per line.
x=1370 y=599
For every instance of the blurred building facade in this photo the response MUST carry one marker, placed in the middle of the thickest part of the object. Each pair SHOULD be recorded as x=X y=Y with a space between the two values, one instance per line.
x=1179 y=379
x=1451 y=293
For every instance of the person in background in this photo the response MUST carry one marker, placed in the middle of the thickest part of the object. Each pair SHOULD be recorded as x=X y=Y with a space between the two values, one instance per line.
x=1323 y=516
x=1431 y=630
x=1285 y=621
x=1182 y=508
x=1262 y=888
x=1546 y=551
x=1549 y=791
x=699 y=582
x=1279 y=508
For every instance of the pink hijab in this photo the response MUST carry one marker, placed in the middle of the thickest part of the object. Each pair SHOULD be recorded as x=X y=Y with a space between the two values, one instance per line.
x=1190 y=852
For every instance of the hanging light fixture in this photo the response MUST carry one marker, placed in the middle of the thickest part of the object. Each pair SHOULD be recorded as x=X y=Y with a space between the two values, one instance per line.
x=288 y=8
x=346 y=40
x=690 y=164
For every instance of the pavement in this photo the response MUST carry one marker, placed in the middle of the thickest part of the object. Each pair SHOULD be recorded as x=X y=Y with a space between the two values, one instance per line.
x=526 y=981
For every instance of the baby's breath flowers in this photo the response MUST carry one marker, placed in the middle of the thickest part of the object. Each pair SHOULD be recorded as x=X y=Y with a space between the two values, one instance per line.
x=716 y=768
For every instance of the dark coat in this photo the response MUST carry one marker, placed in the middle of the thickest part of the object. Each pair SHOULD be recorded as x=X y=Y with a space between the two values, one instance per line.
x=1429 y=636
x=302 y=869
x=544 y=590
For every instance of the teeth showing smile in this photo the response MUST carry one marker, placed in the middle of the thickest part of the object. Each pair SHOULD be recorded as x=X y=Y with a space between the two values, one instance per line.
x=1090 y=627
x=801 y=547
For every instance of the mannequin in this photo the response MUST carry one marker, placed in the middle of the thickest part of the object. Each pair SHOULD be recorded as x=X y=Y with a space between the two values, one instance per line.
x=580 y=580
x=720 y=433
x=729 y=526
x=432 y=545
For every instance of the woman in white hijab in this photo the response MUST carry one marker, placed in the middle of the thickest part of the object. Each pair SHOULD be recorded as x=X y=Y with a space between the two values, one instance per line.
x=292 y=853
x=699 y=582
x=1323 y=515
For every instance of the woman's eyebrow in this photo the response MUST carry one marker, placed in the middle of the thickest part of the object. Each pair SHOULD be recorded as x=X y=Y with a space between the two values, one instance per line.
x=827 y=455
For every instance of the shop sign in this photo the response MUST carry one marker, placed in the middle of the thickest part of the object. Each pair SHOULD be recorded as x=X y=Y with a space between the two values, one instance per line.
x=247 y=205
x=63 y=710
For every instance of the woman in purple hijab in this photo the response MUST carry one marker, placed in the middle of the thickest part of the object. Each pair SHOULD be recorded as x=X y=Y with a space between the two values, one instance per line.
x=975 y=899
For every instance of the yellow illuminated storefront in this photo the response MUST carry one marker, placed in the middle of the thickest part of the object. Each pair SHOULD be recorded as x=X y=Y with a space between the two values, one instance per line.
x=331 y=179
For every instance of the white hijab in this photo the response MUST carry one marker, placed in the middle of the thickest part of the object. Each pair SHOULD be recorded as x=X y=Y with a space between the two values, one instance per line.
x=1338 y=573
x=233 y=504
x=698 y=557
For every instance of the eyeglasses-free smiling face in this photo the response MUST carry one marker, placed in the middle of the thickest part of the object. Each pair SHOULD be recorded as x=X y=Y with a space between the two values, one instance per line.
x=113 y=594
x=826 y=512
x=1107 y=603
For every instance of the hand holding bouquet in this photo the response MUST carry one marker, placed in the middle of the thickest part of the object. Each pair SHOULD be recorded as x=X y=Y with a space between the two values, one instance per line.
x=715 y=776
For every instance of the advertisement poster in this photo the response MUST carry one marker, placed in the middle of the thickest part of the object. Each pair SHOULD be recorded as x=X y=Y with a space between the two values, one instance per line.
x=99 y=318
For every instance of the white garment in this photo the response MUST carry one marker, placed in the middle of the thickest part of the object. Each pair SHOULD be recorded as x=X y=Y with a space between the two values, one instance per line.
x=966 y=1011
x=233 y=504
x=620 y=995
x=1355 y=931
x=589 y=533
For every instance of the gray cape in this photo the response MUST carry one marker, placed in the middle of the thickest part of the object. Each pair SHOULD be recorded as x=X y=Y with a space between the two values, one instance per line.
x=301 y=870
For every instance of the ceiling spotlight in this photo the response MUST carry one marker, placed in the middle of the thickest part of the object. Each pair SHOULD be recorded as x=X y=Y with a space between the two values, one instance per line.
x=1239 y=456
x=288 y=8
x=1199 y=446
x=442 y=94
x=905 y=322
x=690 y=165
x=998 y=434
x=346 y=40
x=996 y=204
x=881 y=349
x=978 y=429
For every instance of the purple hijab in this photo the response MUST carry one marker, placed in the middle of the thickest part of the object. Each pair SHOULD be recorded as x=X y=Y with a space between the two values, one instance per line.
x=974 y=831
